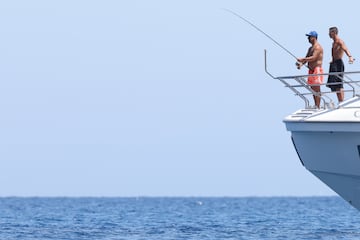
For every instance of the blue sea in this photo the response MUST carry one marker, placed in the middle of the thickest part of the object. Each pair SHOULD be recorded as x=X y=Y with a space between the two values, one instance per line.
x=178 y=218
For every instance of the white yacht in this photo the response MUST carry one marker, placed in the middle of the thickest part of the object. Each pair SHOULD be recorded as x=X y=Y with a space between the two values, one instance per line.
x=327 y=140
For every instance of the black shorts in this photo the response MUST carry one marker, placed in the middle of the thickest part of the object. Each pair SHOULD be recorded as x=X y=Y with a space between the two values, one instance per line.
x=336 y=66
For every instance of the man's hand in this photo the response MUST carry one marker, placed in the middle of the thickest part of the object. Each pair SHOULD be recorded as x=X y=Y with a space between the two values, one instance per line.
x=351 y=60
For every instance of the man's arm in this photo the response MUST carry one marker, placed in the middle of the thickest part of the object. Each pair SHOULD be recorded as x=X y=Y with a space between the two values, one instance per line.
x=314 y=57
x=346 y=50
x=303 y=60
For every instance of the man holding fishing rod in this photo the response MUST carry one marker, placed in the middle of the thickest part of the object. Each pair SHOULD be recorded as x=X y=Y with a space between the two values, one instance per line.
x=335 y=82
x=314 y=59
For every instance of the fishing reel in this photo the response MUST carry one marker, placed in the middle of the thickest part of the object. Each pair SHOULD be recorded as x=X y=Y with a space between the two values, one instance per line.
x=298 y=65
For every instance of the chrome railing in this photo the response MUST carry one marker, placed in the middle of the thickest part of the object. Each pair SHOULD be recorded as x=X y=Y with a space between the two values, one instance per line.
x=298 y=84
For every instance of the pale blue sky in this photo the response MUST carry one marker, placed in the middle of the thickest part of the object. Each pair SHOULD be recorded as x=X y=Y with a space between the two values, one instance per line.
x=155 y=98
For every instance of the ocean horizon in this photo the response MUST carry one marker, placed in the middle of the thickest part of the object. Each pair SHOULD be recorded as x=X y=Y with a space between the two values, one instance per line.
x=319 y=217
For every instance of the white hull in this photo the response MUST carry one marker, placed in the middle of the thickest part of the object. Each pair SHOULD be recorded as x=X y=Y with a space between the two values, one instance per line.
x=333 y=157
x=328 y=144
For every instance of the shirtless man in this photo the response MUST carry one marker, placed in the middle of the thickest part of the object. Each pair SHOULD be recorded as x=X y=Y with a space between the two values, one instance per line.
x=314 y=58
x=337 y=64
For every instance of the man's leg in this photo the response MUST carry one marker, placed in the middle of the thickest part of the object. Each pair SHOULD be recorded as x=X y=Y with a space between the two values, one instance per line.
x=316 y=97
x=340 y=94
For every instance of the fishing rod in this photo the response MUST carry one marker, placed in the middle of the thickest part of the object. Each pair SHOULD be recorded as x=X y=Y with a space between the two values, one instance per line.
x=257 y=28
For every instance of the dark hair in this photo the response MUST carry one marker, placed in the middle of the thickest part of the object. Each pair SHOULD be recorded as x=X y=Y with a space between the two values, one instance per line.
x=334 y=29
